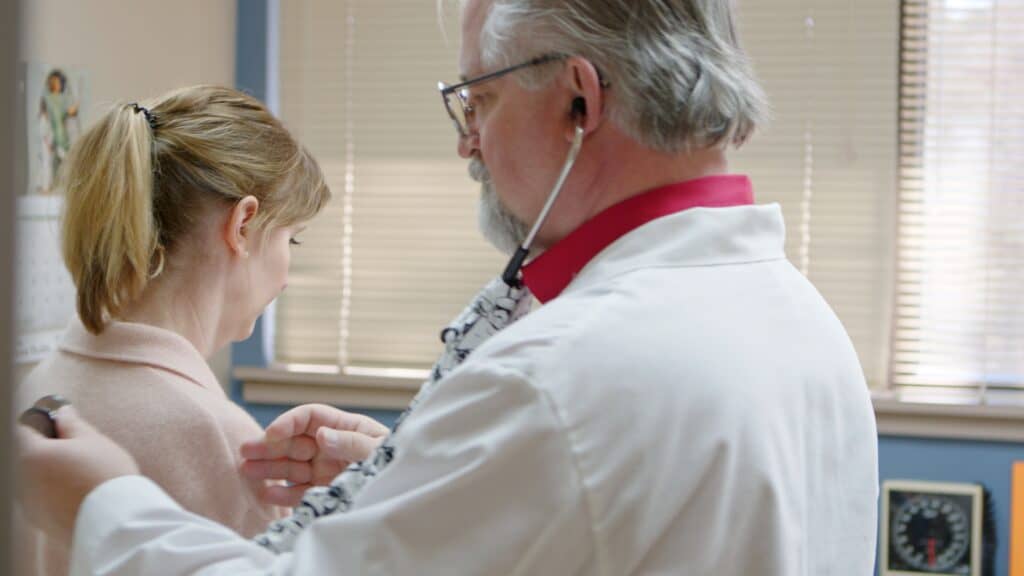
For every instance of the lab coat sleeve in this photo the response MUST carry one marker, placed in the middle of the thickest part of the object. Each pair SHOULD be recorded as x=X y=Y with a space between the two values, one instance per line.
x=129 y=525
x=483 y=482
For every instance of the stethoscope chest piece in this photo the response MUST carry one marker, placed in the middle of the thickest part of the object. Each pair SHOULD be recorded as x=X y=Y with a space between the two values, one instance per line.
x=40 y=416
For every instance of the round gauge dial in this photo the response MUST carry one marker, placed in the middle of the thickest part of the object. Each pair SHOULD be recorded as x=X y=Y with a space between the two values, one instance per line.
x=932 y=533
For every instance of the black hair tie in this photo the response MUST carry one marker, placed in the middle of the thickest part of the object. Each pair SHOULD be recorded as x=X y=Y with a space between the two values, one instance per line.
x=150 y=117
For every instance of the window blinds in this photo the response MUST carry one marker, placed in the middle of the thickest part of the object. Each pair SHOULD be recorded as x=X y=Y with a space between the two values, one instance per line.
x=397 y=253
x=959 y=318
x=829 y=155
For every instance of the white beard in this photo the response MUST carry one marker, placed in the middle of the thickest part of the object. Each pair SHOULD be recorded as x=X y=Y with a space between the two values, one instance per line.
x=500 y=227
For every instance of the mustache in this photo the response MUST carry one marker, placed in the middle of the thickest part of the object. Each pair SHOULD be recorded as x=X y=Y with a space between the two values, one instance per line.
x=478 y=171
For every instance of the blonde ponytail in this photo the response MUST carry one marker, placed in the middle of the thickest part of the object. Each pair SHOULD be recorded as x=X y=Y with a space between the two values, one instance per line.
x=109 y=234
x=138 y=181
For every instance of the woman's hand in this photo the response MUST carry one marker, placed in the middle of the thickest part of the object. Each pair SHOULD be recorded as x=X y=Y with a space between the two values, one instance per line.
x=309 y=446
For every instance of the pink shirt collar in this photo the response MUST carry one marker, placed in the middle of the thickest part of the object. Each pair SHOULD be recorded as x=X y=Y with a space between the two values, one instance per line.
x=132 y=343
x=548 y=274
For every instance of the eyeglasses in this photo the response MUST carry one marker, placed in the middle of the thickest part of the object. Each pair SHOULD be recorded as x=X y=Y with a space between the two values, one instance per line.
x=456 y=97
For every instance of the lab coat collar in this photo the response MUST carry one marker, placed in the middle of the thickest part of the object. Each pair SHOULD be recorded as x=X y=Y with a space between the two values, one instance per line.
x=549 y=274
x=133 y=343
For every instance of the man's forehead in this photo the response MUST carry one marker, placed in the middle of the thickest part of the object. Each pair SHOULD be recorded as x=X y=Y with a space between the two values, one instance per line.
x=473 y=16
x=469 y=61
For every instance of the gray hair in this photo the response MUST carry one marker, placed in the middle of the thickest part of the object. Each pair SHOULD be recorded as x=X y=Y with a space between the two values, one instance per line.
x=678 y=78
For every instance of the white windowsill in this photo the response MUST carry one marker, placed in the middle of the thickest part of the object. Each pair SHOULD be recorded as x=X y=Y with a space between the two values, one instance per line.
x=965 y=419
x=285 y=385
x=961 y=419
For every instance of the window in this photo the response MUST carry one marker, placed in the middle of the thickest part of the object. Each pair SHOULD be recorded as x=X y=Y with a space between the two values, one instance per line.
x=396 y=255
x=829 y=155
x=891 y=152
x=959 y=321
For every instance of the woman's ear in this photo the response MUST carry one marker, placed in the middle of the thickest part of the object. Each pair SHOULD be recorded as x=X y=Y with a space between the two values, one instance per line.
x=237 y=234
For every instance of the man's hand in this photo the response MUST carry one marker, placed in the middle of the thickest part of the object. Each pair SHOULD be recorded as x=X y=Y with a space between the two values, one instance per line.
x=309 y=446
x=57 y=474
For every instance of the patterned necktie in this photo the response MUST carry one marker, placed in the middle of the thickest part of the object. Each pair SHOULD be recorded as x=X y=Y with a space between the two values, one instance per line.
x=493 y=308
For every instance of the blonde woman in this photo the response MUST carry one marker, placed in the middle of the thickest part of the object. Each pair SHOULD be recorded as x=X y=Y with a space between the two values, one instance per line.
x=180 y=216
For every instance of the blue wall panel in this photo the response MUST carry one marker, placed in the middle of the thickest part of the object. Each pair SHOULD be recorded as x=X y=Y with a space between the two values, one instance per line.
x=988 y=463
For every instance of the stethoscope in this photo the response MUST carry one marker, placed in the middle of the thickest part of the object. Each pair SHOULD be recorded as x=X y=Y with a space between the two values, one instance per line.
x=515 y=264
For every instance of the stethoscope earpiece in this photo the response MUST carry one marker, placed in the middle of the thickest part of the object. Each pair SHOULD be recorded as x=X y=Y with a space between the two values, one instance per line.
x=579 y=108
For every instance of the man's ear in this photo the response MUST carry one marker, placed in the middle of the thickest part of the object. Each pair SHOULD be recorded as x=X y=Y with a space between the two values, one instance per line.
x=586 y=96
x=237 y=234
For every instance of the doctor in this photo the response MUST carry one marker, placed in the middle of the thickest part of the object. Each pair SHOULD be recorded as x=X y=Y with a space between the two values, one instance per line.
x=684 y=401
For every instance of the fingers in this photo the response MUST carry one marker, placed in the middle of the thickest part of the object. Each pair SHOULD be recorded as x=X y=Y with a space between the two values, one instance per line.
x=302 y=448
x=309 y=418
x=319 y=472
x=300 y=420
x=287 y=496
x=69 y=423
x=288 y=470
x=348 y=446
x=254 y=449
x=371 y=427
x=324 y=471
x=28 y=439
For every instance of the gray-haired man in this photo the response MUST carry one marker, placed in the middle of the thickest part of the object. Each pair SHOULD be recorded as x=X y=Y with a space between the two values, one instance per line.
x=683 y=402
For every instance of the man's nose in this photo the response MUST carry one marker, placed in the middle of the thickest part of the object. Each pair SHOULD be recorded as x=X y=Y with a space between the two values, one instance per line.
x=469 y=145
x=469 y=142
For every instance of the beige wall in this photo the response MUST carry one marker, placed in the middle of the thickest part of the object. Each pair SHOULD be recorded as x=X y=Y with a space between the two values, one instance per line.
x=133 y=50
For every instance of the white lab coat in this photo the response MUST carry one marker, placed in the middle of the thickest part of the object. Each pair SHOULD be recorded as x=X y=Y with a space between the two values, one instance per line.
x=688 y=405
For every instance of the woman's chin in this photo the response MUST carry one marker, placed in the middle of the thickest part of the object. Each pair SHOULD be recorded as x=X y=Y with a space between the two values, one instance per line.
x=246 y=333
x=246 y=329
x=243 y=331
